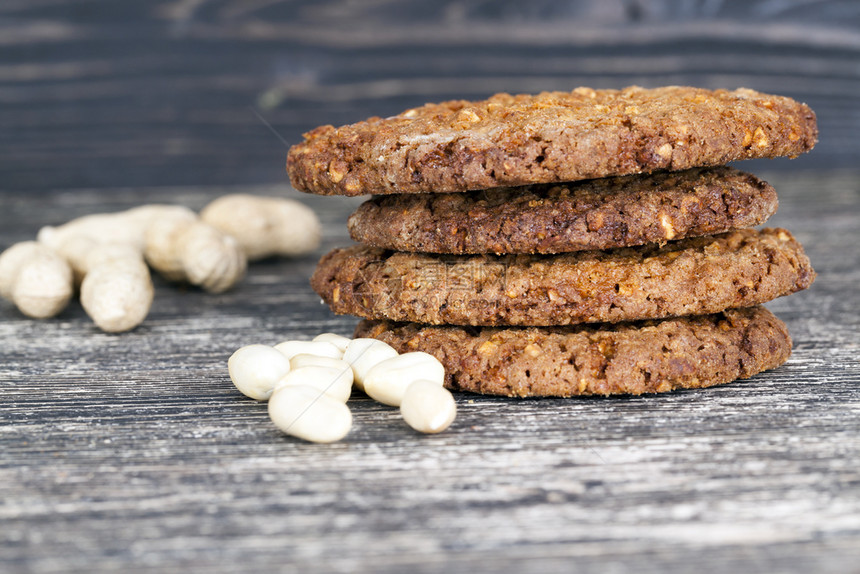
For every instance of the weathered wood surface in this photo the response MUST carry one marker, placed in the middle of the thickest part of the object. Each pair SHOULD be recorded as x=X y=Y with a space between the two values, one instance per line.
x=133 y=452
x=107 y=93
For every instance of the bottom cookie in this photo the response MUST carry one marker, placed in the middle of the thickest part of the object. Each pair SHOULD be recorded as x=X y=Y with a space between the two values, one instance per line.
x=626 y=358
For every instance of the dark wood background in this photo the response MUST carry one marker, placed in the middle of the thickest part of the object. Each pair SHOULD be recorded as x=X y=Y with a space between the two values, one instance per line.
x=133 y=452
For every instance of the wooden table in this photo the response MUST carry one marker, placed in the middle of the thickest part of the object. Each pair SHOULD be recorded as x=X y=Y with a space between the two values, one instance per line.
x=134 y=452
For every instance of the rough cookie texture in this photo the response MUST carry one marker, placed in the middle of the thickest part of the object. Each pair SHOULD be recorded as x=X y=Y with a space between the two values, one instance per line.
x=550 y=137
x=557 y=218
x=628 y=358
x=689 y=277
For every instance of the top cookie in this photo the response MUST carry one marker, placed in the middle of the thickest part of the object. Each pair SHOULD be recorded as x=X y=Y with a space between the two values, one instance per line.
x=550 y=137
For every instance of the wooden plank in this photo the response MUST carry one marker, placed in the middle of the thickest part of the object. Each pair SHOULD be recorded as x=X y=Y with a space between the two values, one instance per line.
x=160 y=93
x=133 y=452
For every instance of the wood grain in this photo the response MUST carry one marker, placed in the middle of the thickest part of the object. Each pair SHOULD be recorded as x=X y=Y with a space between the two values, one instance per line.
x=134 y=452
x=106 y=94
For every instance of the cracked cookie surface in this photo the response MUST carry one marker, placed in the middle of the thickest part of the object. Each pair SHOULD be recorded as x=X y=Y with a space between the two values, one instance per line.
x=689 y=277
x=557 y=218
x=627 y=358
x=517 y=140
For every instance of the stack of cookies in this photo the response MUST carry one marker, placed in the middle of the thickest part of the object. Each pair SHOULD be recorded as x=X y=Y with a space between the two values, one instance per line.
x=567 y=243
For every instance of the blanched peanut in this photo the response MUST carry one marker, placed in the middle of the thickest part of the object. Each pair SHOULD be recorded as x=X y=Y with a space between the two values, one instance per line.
x=292 y=348
x=117 y=292
x=36 y=279
x=332 y=381
x=307 y=360
x=265 y=226
x=256 y=369
x=304 y=412
x=363 y=354
x=428 y=407
x=338 y=341
x=388 y=380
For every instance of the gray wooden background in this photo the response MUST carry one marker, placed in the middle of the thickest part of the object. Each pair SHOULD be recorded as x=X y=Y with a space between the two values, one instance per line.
x=134 y=453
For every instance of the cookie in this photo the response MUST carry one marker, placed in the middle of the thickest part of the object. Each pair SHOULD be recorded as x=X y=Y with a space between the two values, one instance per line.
x=692 y=276
x=627 y=358
x=557 y=218
x=550 y=137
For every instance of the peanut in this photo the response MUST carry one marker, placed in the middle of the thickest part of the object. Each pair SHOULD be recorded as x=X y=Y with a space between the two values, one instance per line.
x=320 y=348
x=304 y=412
x=308 y=359
x=105 y=252
x=265 y=226
x=335 y=382
x=256 y=369
x=388 y=380
x=122 y=227
x=210 y=258
x=160 y=240
x=183 y=248
x=428 y=407
x=363 y=354
x=338 y=341
x=37 y=280
x=116 y=291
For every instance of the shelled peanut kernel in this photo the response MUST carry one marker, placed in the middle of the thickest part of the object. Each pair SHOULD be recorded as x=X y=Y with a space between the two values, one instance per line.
x=308 y=400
